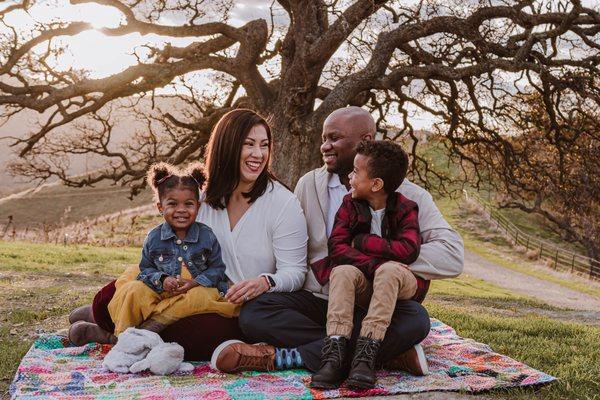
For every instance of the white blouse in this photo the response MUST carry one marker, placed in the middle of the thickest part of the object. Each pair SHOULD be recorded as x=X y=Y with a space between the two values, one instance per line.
x=269 y=239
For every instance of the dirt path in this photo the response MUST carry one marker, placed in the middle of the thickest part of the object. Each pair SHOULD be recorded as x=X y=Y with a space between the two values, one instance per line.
x=547 y=292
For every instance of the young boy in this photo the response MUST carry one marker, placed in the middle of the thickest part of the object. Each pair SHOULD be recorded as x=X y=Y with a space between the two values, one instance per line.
x=374 y=237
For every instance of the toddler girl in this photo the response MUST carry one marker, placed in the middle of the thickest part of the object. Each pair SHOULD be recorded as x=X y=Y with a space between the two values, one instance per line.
x=181 y=272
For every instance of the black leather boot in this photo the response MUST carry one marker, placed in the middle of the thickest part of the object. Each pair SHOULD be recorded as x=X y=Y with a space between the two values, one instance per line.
x=362 y=371
x=334 y=366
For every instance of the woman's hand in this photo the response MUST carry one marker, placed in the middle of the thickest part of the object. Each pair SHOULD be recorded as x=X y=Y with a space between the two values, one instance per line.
x=185 y=285
x=247 y=290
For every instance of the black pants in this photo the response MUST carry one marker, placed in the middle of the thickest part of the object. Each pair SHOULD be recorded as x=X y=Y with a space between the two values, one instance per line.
x=298 y=320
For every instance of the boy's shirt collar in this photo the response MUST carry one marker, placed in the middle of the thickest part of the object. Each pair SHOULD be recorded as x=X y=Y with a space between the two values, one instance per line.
x=192 y=236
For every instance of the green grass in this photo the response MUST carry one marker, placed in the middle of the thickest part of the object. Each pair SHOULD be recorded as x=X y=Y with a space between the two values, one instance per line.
x=58 y=259
x=12 y=349
x=568 y=351
x=495 y=248
x=470 y=287
x=41 y=283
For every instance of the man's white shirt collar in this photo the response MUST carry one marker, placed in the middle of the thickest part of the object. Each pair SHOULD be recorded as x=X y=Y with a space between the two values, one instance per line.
x=334 y=181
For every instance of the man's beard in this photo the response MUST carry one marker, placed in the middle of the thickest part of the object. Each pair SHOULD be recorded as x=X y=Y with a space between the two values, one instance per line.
x=340 y=169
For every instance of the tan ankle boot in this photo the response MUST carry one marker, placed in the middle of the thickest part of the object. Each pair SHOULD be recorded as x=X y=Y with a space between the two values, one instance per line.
x=235 y=356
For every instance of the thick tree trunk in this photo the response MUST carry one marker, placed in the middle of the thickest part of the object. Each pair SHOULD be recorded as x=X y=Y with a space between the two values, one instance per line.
x=295 y=152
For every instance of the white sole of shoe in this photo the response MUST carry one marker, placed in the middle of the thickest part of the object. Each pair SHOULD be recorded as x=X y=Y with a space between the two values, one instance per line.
x=218 y=350
x=422 y=359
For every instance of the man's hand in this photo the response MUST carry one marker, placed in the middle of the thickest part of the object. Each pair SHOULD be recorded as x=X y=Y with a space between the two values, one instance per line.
x=247 y=290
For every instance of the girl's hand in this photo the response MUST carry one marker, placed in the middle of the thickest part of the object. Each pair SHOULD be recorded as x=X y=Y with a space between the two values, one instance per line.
x=170 y=284
x=247 y=290
x=185 y=285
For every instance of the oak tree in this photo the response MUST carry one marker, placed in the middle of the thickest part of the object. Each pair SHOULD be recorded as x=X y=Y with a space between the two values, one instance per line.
x=460 y=63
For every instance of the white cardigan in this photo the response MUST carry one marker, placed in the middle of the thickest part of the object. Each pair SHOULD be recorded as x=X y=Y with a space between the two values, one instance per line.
x=269 y=239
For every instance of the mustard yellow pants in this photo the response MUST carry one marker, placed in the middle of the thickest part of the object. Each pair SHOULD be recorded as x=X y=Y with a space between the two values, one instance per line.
x=134 y=302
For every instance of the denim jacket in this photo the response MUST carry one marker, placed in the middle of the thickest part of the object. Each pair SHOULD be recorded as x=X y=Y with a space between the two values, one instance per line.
x=163 y=253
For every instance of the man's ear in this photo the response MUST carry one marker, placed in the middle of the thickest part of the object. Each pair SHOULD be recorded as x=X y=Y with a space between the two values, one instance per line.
x=159 y=207
x=377 y=185
x=366 y=136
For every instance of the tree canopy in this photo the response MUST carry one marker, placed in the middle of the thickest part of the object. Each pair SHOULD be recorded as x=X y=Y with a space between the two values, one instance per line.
x=462 y=64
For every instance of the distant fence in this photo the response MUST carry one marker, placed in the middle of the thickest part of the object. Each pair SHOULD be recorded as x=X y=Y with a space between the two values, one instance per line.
x=561 y=258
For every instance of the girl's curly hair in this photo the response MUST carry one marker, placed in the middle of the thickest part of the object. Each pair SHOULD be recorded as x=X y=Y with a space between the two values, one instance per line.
x=163 y=177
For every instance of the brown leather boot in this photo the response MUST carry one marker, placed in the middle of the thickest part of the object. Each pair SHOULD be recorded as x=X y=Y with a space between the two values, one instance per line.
x=235 y=356
x=83 y=313
x=334 y=364
x=362 y=373
x=412 y=361
x=152 y=326
x=83 y=332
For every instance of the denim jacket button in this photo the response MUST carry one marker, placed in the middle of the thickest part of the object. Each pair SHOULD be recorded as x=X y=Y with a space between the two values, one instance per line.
x=185 y=247
x=221 y=294
x=179 y=259
x=178 y=241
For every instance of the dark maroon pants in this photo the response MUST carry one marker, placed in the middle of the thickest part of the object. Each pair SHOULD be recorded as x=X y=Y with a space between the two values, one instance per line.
x=199 y=334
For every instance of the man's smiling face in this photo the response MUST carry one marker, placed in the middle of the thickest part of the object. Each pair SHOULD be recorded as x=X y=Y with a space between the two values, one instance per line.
x=339 y=143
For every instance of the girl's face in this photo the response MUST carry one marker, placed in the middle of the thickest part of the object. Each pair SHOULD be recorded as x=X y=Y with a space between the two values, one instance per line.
x=255 y=154
x=179 y=207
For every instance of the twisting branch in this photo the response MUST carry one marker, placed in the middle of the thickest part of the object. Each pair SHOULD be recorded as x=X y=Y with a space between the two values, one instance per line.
x=460 y=65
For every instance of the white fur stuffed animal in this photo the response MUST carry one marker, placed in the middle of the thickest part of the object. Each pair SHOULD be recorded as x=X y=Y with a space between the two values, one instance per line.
x=132 y=346
x=163 y=359
x=139 y=349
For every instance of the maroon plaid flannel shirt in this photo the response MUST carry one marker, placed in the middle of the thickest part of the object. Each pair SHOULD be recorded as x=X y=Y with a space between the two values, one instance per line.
x=352 y=243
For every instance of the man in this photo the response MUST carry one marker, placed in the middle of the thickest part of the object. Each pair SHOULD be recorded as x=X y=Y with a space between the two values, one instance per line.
x=295 y=322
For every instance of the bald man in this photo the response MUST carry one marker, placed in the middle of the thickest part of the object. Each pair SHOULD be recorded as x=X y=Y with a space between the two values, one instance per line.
x=293 y=324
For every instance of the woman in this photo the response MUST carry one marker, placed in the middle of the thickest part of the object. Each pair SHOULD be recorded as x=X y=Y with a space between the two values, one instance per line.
x=258 y=222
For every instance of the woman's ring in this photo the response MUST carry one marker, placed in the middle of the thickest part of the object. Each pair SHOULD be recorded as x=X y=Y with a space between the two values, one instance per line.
x=246 y=298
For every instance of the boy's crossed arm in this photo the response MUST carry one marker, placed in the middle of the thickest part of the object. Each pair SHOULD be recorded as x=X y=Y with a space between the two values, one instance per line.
x=404 y=247
x=341 y=249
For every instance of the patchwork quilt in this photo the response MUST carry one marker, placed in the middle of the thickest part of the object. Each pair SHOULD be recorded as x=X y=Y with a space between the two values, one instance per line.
x=54 y=370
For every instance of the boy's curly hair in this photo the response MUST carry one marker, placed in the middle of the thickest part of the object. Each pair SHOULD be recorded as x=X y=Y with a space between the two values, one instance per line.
x=387 y=161
x=163 y=177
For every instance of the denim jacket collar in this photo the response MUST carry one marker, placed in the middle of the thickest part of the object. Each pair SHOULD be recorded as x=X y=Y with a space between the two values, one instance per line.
x=192 y=236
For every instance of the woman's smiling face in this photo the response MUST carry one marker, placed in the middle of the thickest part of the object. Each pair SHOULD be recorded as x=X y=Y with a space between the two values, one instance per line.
x=255 y=154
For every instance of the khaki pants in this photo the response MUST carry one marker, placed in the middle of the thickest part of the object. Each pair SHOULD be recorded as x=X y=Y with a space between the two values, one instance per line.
x=347 y=285
x=134 y=302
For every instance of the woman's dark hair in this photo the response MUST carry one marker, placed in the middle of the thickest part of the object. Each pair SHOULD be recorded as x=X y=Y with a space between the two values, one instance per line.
x=223 y=154
x=387 y=161
x=163 y=177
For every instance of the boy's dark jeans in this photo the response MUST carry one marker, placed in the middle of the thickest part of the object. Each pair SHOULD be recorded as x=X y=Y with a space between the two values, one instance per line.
x=298 y=319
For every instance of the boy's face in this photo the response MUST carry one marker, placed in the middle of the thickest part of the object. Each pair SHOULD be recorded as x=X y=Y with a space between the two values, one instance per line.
x=362 y=185
x=179 y=208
